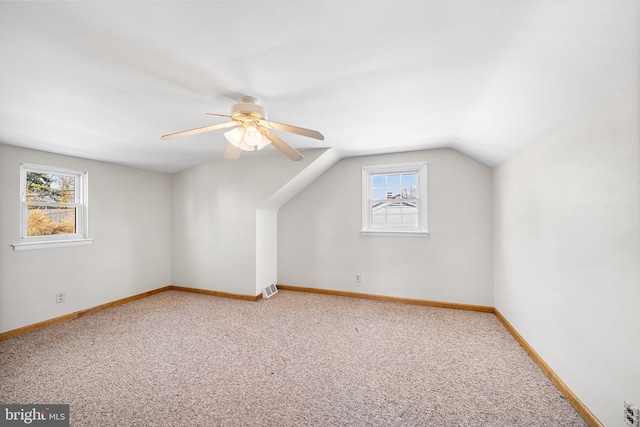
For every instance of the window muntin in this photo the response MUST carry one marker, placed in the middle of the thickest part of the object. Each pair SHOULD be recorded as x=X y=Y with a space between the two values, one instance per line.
x=53 y=204
x=394 y=199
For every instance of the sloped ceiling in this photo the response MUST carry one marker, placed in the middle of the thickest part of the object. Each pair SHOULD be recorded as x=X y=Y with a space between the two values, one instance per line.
x=104 y=80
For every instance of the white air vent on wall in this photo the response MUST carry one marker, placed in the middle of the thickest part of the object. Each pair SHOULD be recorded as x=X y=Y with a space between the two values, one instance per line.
x=269 y=291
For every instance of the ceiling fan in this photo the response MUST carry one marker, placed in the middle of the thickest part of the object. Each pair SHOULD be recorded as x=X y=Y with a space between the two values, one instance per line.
x=252 y=130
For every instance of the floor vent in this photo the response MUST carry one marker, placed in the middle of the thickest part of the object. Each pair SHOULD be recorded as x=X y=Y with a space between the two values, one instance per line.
x=269 y=291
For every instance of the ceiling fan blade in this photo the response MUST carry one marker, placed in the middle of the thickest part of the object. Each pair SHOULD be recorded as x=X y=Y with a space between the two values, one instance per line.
x=283 y=146
x=292 y=129
x=219 y=115
x=232 y=152
x=199 y=130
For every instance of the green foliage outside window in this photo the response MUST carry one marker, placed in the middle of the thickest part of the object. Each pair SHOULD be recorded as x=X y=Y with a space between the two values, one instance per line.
x=47 y=220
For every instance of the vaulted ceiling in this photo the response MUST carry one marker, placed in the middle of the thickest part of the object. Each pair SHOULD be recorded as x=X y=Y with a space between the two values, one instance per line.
x=104 y=80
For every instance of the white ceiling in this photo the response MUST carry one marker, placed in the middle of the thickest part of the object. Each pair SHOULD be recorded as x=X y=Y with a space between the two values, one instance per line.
x=104 y=80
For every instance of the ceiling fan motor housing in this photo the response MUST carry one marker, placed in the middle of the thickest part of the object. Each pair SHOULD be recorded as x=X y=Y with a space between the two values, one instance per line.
x=248 y=110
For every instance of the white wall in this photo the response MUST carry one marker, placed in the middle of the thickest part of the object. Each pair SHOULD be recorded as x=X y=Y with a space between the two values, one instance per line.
x=129 y=220
x=215 y=217
x=567 y=252
x=320 y=244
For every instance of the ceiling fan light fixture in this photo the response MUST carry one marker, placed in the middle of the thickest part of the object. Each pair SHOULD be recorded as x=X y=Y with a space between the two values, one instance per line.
x=248 y=110
x=247 y=138
x=251 y=130
x=236 y=137
x=263 y=143
x=252 y=136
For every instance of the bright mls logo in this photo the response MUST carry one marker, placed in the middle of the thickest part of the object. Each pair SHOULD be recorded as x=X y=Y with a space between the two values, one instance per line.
x=34 y=415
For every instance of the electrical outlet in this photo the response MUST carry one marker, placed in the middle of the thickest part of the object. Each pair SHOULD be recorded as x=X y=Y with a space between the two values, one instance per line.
x=358 y=278
x=631 y=414
x=60 y=297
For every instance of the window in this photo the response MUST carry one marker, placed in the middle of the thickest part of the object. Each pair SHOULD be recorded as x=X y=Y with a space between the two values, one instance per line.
x=394 y=199
x=53 y=207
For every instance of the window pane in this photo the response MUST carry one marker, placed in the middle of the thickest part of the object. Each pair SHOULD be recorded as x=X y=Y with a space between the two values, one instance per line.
x=409 y=186
x=47 y=187
x=408 y=192
x=379 y=180
x=379 y=193
x=410 y=220
x=47 y=220
x=378 y=214
x=394 y=219
x=394 y=186
x=393 y=192
x=378 y=219
x=409 y=180
x=409 y=215
x=394 y=203
x=393 y=180
x=396 y=213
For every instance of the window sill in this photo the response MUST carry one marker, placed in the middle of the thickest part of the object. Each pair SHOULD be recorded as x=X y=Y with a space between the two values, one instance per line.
x=395 y=233
x=28 y=246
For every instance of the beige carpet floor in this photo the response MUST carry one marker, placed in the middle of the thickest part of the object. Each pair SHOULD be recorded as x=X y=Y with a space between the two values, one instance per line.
x=296 y=359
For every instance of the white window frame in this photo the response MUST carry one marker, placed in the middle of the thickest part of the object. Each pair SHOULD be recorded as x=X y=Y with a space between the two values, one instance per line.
x=80 y=237
x=368 y=172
